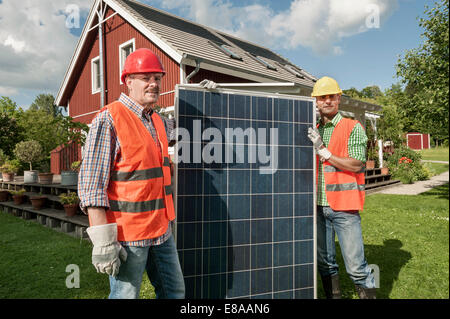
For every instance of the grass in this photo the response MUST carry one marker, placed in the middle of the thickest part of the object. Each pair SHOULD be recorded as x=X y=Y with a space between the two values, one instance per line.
x=436 y=168
x=34 y=259
x=406 y=236
x=436 y=154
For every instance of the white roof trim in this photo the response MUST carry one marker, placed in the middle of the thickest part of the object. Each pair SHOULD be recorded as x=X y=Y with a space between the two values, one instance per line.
x=145 y=31
x=128 y=17
x=79 y=46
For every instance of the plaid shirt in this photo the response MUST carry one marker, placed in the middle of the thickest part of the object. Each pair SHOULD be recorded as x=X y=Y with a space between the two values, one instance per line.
x=356 y=149
x=102 y=150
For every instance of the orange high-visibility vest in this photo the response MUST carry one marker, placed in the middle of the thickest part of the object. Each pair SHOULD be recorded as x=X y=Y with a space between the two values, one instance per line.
x=344 y=190
x=139 y=191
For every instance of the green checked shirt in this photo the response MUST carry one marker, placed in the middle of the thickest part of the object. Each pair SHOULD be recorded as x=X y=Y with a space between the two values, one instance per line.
x=356 y=149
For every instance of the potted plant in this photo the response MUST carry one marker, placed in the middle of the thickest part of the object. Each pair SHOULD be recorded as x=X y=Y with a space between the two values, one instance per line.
x=29 y=152
x=18 y=196
x=4 y=195
x=9 y=168
x=45 y=177
x=70 y=202
x=371 y=156
x=38 y=201
x=71 y=177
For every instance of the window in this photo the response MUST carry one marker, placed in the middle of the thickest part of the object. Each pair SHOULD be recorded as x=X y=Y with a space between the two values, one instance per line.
x=263 y=62
x=226 y=50
x=125 y=49
x=95 y=75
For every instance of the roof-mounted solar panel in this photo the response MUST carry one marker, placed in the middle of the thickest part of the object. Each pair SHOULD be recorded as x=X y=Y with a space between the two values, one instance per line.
x=226 y=50
x=263 y=62
x=291 y=69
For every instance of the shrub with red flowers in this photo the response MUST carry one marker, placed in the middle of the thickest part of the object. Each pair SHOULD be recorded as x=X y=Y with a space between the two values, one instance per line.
x=405 y=160
x=405 y=165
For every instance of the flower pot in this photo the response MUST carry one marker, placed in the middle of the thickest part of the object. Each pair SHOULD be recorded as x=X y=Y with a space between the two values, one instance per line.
x=71 y=209
x=4 y=196
x=69 y=178
x=8 y=177
x=45 y=178
x=370 y=164
x=18 y=199
x=37 y=202
x=384 y=171
x=30 y=177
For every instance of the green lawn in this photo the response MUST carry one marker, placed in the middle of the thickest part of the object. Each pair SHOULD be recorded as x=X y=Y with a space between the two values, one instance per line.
x=34 y=259
x=406 y=236
x=436 y=154
x=436 y=168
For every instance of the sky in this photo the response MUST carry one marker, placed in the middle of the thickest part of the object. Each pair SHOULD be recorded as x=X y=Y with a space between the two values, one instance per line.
x=358 y=42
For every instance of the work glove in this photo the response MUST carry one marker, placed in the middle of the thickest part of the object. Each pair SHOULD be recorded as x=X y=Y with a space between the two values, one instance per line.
x=316 y=139
x=107 y=251
x=207 y=84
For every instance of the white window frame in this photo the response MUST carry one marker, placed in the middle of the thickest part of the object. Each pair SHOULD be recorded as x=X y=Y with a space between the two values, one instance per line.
x=94 y=75
x=122 y=61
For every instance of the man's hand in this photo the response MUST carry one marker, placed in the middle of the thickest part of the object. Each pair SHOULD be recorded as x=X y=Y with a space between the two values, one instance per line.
x=107 y=251
x=314 y=136
x=316 y=139
x=207 y=84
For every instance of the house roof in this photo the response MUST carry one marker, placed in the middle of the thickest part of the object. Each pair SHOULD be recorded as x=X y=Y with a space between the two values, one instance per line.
x=196 y=41
x=189 y=43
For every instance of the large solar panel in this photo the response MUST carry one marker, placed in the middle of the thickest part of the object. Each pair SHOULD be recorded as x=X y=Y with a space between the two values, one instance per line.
x=245 y=194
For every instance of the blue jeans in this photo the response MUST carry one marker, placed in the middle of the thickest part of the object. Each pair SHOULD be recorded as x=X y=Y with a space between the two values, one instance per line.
x=163 y=269
x=347 y=226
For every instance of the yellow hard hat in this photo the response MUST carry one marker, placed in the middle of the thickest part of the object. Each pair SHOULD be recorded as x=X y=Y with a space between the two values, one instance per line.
x=326 y=86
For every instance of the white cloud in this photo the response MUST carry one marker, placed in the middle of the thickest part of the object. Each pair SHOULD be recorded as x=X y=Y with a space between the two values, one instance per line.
x=35 y=45
x=316 y=24
x=7 y=91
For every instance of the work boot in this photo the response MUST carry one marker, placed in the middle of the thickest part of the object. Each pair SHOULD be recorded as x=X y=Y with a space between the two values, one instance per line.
x=331 y=286
x=366 y=293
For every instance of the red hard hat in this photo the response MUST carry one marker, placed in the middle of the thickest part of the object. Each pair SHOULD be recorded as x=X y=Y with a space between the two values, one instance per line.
x=142 y=61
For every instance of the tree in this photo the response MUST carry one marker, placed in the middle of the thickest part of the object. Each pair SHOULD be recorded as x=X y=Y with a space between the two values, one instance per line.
x=8 y=106
x=371 y=92
x=10 y=133
x=28 y=151
x=352 y=92
x=40 y=126
x=46 y=102
x=425 y=73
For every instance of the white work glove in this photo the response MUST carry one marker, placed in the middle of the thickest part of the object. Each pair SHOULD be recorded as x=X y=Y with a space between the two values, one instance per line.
x=107 y=251
x=314 y=136
x=207 y=84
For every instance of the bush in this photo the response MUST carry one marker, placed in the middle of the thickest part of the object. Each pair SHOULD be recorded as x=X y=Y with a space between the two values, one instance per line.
x=10 y=166
x=29 y=152
x=69 y=198
x=405 y=165
x=3 y=157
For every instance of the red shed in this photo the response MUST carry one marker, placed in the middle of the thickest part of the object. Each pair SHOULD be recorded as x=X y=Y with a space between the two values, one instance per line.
x=418 y=141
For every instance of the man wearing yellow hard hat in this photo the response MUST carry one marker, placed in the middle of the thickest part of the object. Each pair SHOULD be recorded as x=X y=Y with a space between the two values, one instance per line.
x=340 y=144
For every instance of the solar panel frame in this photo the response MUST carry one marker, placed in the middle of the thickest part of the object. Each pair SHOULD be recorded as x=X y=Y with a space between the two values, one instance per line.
x=245 y=267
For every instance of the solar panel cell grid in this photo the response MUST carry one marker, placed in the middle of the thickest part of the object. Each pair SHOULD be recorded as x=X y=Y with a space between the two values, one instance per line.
x=243 y=233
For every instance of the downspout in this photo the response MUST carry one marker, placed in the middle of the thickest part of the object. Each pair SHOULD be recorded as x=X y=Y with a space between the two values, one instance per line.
x=197 y=68
x=100 y=44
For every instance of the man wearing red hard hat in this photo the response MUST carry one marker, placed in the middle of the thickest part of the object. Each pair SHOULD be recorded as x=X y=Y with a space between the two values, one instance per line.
x=125 y=186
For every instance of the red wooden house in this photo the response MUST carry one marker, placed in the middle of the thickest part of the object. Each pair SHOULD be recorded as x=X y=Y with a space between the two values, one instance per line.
x=190 y=52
